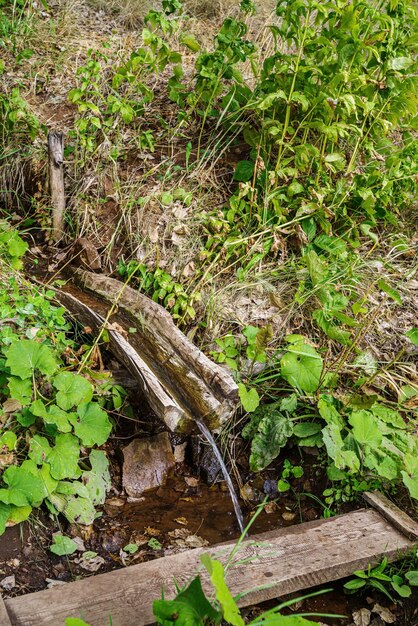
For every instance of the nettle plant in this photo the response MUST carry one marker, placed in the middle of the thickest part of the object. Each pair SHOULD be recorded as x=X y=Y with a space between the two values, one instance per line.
x=49 y=418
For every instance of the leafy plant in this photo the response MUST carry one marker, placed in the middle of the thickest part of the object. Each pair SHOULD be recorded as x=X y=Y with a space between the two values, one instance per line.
x=161 y=287
x=50 y=413
x=289 y=470
x=192 y=606
x=386 y=578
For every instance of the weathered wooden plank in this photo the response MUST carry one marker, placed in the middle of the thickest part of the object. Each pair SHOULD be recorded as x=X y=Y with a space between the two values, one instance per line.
x=56 y=183
x=202 y=387
x=4 y=616
x=276 y=563
x=399 y=519
x=165 y=406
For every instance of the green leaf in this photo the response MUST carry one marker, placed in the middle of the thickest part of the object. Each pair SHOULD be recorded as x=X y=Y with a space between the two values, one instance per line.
x=301 y=366
x=131 y=548
x=63 y=457
x=73 y=389
x=272 y=434
x=249 y=398
x=24 y=487
x=230 y=611
x=21 y=390
x=92 y=424
x=403 y=590
x=289 y=403
x=79 y=510
x=392 y=293
x=355 y=584
x=306 y=429
x=51 y=415
x=97 y=480
x=189 y=40
x=365 y=428
x=8 y=439
x=400 y=63
x=410 y=475
x=39 y=449
x=244 y=171
x=412 y=578
x=75 y=621
x=411 y=334
x=282 y=486
x=63 y=545
x=26 y=356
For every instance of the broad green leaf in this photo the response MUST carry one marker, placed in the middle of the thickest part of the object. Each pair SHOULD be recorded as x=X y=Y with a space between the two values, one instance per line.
x=97 y=480
x=306 y=429
x=365 y=428
x=400 y=63
x=289 y=403
x=182 y=612
x=72 y=488
x=4 y=516
x=190 y=41
x=21 y=389
x=249 y=398
x=27 y=355
x=412 y=578
x=329 y=412
x=79 y=510
x=410 y=475
x=91 y=424
x=272 y=434
x=403 y=590
x=334 y=444
x=51 y=415
x=63 y=545
x=24 y=487
x=75 y=621
x=194 y=596
x=412 y=335
x=63 y=457
x=18 y=514
x=8 y=439
x=301 y=366
x=39 y=449
x=230 y=611
x=244 y=171
x=73 y=389
x=389 y=416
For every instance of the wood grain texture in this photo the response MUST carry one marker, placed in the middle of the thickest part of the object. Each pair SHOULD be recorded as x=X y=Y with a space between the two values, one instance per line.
x=276 y=563
x=163 y=405
x=203 y=388
x=4 y=616
x=56 y=183
x=392 y=513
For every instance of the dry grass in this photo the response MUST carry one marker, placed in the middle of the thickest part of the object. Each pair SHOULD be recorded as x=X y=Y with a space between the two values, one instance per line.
x=131 y=13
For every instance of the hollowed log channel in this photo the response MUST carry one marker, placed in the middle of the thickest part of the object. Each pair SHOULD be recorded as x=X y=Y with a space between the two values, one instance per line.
x=180 y=383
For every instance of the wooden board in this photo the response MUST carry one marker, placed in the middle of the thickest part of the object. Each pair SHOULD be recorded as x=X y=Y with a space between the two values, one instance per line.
x=275 y=563
x=392 y=513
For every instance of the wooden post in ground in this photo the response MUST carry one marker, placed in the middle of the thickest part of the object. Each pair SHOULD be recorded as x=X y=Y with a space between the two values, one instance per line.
x=56 y=183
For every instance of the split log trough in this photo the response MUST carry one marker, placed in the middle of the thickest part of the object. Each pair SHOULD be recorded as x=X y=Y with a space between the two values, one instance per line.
x=180 y=383
x=269 y=565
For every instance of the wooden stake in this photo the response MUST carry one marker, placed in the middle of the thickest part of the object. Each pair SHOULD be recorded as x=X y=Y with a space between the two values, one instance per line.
x=56 y=183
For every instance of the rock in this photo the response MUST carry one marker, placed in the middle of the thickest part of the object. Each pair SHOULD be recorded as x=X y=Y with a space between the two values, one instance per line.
x=8 y=583
x=288 y=516
x=146 y=464
x=362 y=617
x=205 y=461
x=270 y=487
x=387 y=616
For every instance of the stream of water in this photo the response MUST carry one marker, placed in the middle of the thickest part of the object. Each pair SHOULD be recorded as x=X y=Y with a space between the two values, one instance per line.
x=208 y=435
